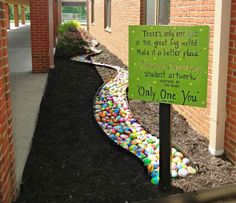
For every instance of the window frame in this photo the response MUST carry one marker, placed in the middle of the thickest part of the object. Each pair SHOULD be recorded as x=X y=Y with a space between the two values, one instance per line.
x=107 y=15
x=92 y=12
x=162 y=12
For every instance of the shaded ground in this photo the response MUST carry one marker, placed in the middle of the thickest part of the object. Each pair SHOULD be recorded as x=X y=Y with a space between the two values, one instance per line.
x=71 y=159
x=213 y=171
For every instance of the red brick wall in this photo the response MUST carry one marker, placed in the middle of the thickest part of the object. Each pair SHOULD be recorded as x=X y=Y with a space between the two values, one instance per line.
x=41 y=28
x=198 y=12
x=183 y=12
x=6 y=7
x=121 y=16
x=59 y=11
x=230 y=131
x=16 y=15
x=23 y=15
x=7 y=163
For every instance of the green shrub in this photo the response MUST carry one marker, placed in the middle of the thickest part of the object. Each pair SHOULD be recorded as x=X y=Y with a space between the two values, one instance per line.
x=71 y=44
x=71 y=26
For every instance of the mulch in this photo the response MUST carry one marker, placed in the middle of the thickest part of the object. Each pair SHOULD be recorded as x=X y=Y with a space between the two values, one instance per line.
x=71 y=159
x=213 y=171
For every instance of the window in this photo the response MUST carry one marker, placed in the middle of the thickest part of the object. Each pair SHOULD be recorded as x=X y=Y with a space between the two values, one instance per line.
x=92 y=11
x=164 y=12
x=157 y=12
x=151 y=12
x=107 y=16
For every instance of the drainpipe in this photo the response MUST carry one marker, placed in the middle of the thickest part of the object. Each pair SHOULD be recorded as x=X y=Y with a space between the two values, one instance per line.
x=219 y=76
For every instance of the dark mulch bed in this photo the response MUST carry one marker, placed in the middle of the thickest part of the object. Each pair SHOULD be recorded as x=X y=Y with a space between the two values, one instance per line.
x=214 y=171
x=71 y=159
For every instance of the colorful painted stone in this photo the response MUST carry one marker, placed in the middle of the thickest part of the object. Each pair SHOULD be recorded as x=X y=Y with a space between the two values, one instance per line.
x=155 y=173
x=183 y=172
x=191 y=170
x=146 y=161
x=174 y=173
x=155 y=180
x=150 y=168
x=179 y=154
x=186 y=161
x=113 y=115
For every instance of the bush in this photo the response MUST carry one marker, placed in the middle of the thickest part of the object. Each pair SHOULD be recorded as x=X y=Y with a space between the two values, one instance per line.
x=71 y=44
x=71 y=26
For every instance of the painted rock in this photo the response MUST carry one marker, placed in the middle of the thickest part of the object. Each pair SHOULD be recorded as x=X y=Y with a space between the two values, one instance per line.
x=146 y=161
x=182 y=172
x=155 y=180
x=113 y=137
x=117 y=134
x=179 y=165
x=123 y=136
x=133 y=136
x=173 y=151
x=179 y=154
x=155 y=173
x=156 y=164
x=191 y=170
x=132 y=121
x=142 y=155
x=124 y=146
x=121 y=120
x=149 y=151
x=176 y=159
x=152 y=157
x=173 y=166
x=133 y=148
x=112 y=131
x=183 y=165
x=186 y=161
x=174 y=173
x=150 y=168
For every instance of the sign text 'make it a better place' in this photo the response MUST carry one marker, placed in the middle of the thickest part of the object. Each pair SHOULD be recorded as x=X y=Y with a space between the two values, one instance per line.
x=169 y=64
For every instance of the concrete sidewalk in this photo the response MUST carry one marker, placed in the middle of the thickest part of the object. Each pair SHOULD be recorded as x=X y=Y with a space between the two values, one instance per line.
x=26 y=91
x=19 y=49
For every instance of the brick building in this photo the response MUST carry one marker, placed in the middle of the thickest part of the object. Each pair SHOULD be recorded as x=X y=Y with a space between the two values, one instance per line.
x=109 y=20
x=45 y=18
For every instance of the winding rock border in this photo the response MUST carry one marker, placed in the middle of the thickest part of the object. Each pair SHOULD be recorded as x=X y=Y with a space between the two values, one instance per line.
x=113 y=115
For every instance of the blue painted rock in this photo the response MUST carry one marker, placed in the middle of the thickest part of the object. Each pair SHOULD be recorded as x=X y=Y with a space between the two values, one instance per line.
x=156 y=164
x=155 y=173
x=113 y=137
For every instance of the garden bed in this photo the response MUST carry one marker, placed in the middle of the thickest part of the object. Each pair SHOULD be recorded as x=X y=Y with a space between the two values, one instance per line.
x=213 y=171
x=72 y=159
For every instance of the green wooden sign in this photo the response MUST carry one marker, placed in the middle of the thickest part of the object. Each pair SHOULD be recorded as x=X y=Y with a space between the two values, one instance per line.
x=169 y=64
